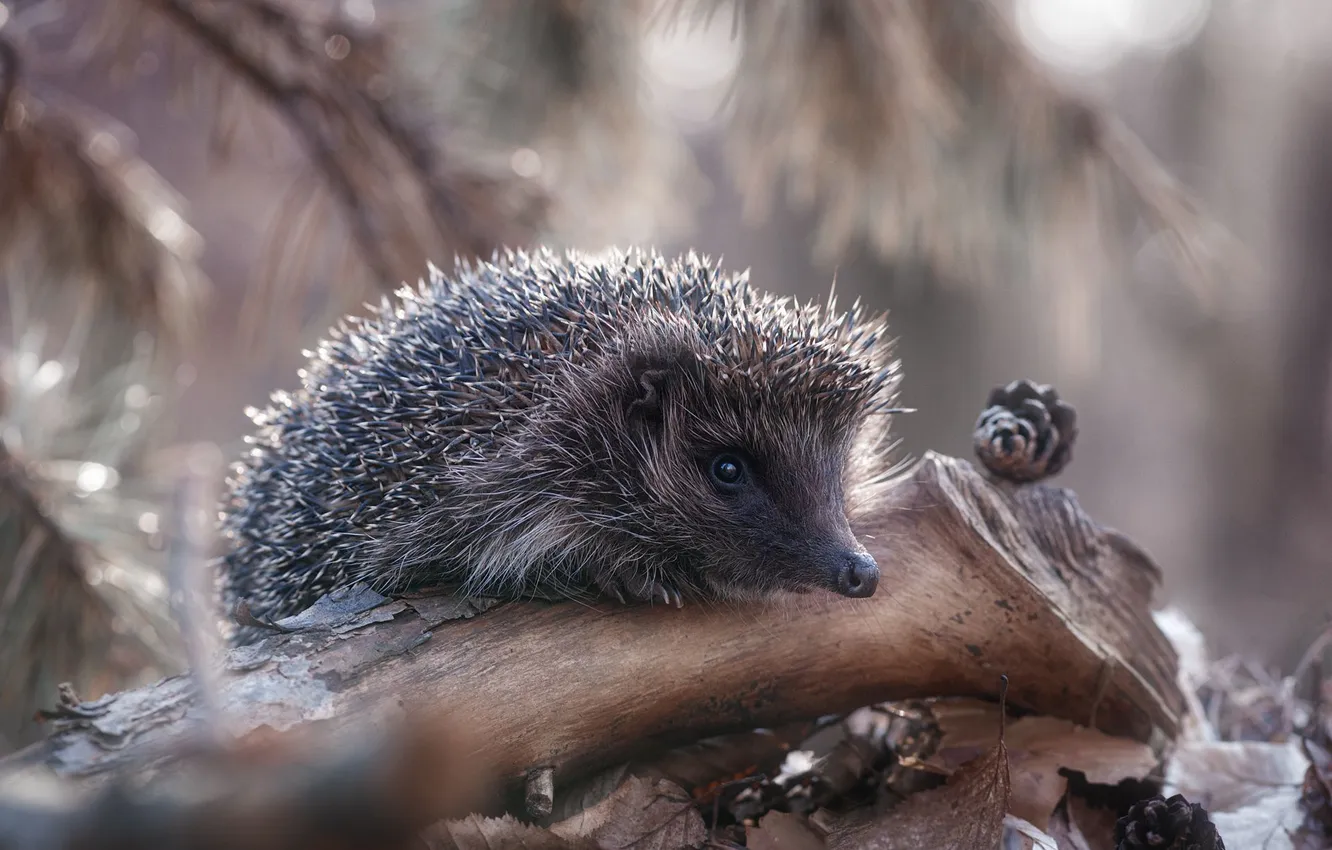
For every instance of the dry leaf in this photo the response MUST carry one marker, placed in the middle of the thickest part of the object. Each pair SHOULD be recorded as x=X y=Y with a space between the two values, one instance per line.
x=506 y=833
x=642 y=814
x=571 y=799
x=1268 y=824
x=782 y=831
x=965 y=814
x=1229 y=775
x=1251 y=790
x=1037 y=748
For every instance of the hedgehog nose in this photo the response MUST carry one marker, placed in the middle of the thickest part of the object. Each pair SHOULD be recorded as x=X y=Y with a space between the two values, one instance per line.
x=859 y=576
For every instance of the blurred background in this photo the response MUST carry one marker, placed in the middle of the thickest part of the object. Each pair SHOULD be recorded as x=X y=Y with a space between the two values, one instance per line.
x=1126 y=198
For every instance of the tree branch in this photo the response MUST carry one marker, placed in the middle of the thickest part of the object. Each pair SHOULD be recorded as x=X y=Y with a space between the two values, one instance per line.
x=359 y=144
x=979 y=580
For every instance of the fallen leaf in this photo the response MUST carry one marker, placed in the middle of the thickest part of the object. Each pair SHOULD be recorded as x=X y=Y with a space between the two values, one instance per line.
x=1225 y=776
x=573 y=799
x=1267 y=823
x=965 y=814
x=782 y=831
x=641 y=814
x=1251 y=790
x=506 y=833
x=1037 y=748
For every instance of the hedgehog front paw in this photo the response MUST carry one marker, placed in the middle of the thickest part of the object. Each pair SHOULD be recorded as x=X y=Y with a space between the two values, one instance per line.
x=638 y=588
x=668 y=593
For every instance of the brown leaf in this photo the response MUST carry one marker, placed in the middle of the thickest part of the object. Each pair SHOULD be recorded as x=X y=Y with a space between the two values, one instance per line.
x=641 y=814
x=571 y=799
x=1037 y=748
x=506 y=833
x=782 y=831
x=965 y=814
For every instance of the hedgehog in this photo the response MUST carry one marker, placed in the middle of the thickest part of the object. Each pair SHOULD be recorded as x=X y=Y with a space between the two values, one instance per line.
x=622 y=424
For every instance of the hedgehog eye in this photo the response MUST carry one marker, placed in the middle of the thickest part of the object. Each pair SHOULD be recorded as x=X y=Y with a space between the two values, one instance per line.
x=727 y=470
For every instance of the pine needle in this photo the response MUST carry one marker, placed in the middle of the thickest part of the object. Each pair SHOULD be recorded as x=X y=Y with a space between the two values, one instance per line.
x=78 y=207
x=82 y=599
x=924 y=130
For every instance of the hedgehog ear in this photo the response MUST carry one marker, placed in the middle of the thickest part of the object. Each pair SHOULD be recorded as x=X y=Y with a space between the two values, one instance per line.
x=654 y=373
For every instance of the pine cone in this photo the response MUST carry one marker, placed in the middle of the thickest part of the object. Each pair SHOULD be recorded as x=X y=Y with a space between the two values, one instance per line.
x=1025 y=433
x=1161 y=824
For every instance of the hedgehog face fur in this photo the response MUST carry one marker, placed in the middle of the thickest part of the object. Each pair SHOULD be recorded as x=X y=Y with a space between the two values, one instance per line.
x=654 y=429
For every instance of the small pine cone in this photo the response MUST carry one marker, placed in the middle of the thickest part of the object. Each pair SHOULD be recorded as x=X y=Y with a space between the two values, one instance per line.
x=1161 y=824
x=1025 y=433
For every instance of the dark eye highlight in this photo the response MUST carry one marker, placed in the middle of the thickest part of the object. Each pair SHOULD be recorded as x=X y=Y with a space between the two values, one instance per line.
x=727 y=471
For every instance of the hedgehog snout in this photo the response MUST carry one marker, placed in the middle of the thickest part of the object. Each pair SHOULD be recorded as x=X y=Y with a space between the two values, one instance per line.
x=858 y=575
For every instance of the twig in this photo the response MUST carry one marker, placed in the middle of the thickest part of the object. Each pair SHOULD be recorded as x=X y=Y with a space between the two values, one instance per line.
x=330 y=114
x=189 y=578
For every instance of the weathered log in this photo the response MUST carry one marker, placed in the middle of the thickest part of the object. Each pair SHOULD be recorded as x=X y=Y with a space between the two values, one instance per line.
x=979 y=580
